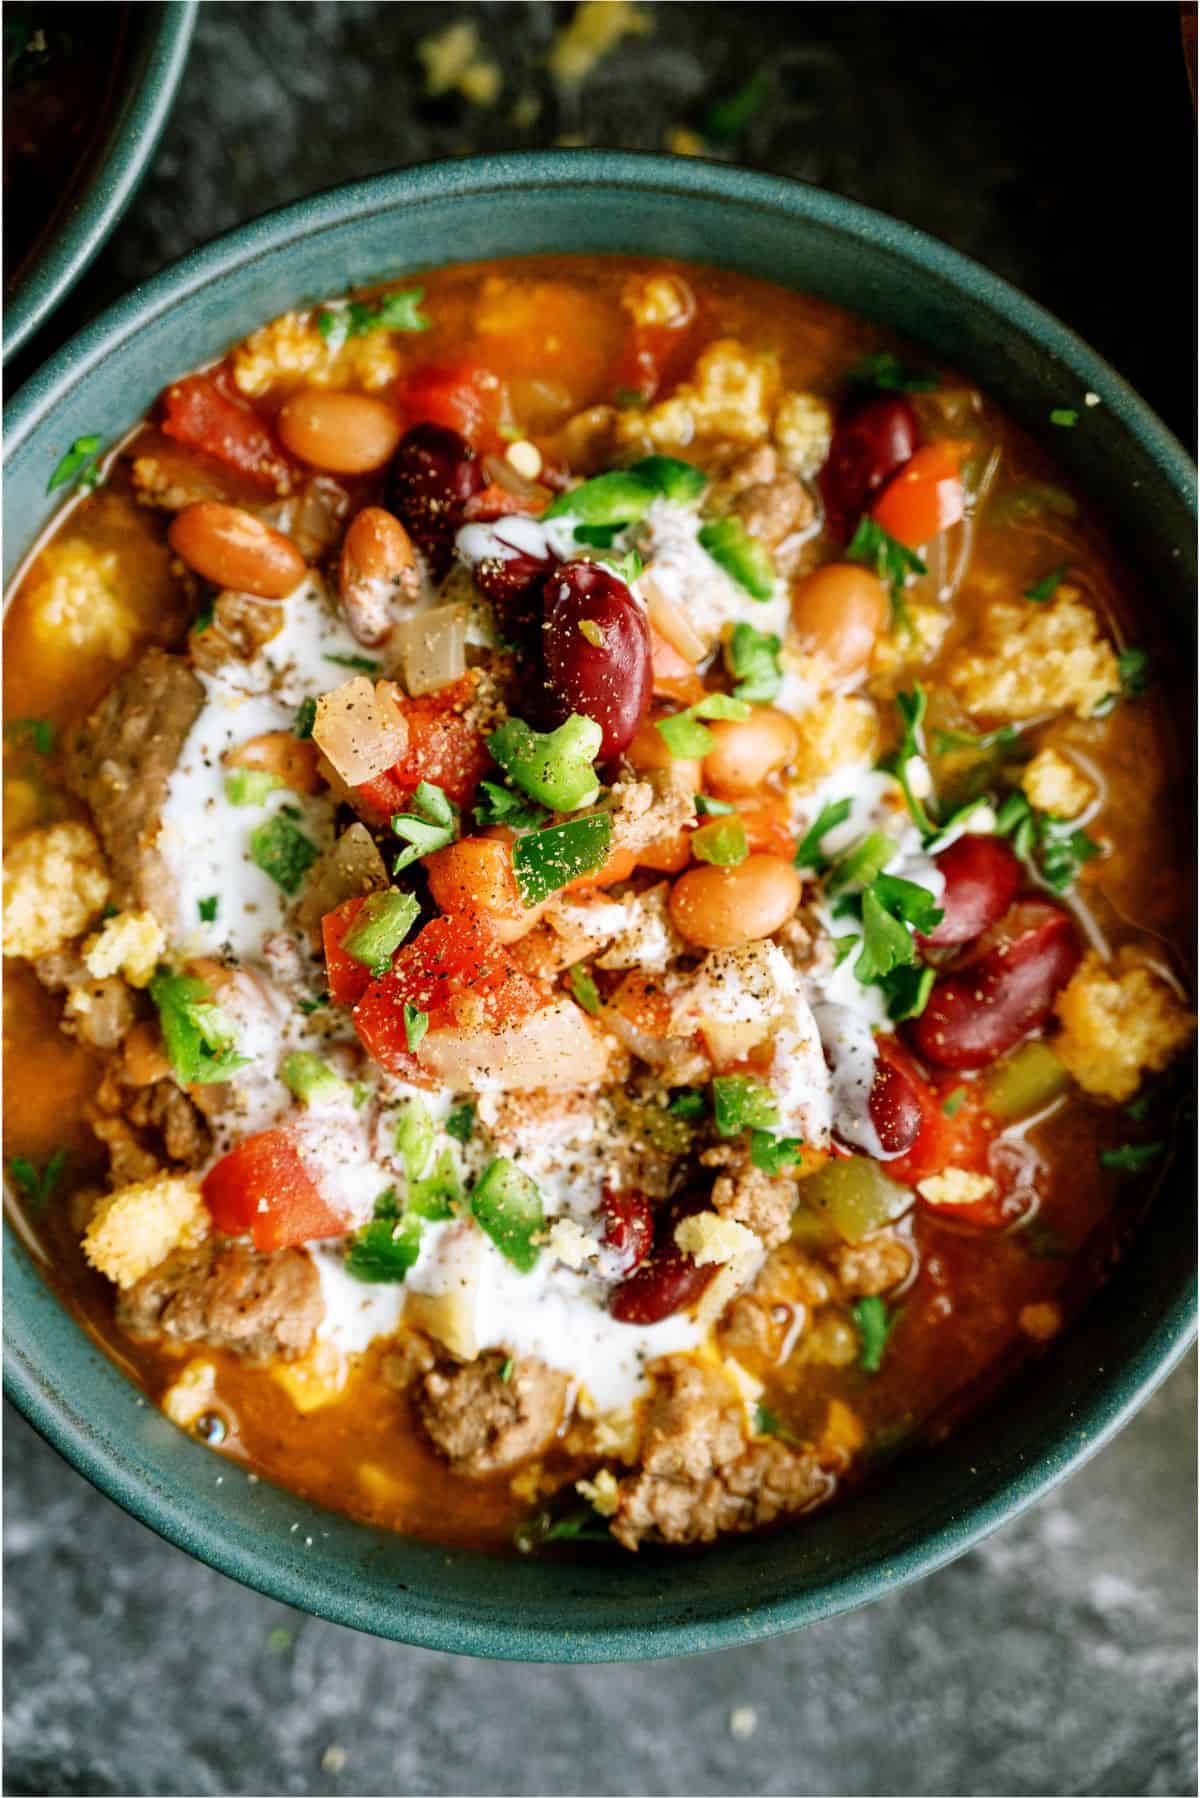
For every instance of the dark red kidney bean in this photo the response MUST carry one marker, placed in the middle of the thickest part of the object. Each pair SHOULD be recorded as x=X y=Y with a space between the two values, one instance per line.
x=610 y=681
x=667 y=1283
x=978 y=1012
x=628 y=1226
x=894 y=1108
x=871 y=441
x=433 y=474
x=510 y=579
x=982 y=877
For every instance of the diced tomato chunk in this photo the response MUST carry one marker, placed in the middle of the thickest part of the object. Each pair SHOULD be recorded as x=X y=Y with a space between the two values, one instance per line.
x=458 y=975
x=925 y=498
x=199 y=413
x=465 y=396
x=444 y=748
x=263 y=1188
x=495 y=501
x=961 y=1139
x=347 y=979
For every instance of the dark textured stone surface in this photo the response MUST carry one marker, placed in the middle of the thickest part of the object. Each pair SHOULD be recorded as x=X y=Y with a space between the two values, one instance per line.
x=1055 y=144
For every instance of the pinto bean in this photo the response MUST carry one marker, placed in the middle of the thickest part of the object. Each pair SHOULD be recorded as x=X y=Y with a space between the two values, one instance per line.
x=378 y=565
x=232 y=548
x=838 y=612
x=747 y=750
x=340 y=432
x=722 y=908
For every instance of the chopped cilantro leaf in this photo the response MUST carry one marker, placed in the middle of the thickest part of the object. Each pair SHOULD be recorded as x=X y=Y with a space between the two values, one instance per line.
x=283 y=852
x=1048 y=586
x=953 y=1102
x=809 y=854
x=886 y=372
x=306 y=717
x=911 y=707
x=1138 y=1108
x=208 y=909
x=906 y=991
x=504 y=805
x=37 y=1186
x=687 y=1104
x=76 y=466
x=742 y=1103
x=461 y=1122
x=203 y=621
x=752 y=658
x=727 y=118
x=308 y=1006
x=1056 y=848
x=707 y=807
x=1131 y=1158
x=431 y=824
x=862 y=862
x=1064 y=416
x=875 y=1324
x=886 y=944
x=363 y=664
x=398 y=311
x=774 y=1154
x=1133 y=666
x=416 y=1023
x=905 y=899
x=38 y=733
x=944 y=741
x=686 y=737
x=767 y=1423
x=506 y=1371
x=892 y=561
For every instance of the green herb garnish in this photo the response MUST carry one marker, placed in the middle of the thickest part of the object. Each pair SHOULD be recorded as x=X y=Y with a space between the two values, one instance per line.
x=952 y=1104
x=584 y=989
x=892 y=561
x=394 y=312
x=886 y=372
x=774 y=1154
x=504 y=805
x=809 y=854
x=385 y=1249
x=741 y=1102
x=37 y=1186
x=875 y=1324
x=752 y=658
x=283 y=851
x=306 y=717
x=687 y=1104
x=728 y=118
x=362 y=664
x=1048 y=586
x=36 y=733
x=461 y=1122
x=686 y=737
x=1064 y=417
x=1131 y=1158
x=207 y=909
x=431 y=824
x=77 y=468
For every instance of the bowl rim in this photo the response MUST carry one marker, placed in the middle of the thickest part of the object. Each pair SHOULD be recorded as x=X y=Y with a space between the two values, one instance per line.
x=1100 y=1413
x=132 y=140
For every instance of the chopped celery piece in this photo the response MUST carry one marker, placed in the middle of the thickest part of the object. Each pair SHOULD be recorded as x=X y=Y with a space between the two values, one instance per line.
x=1025 y=1081
x=507 y=1205
x=856 y=1197
x=555 y=766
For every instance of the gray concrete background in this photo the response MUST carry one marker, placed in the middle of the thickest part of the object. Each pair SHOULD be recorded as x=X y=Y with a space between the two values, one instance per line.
x=1055 y=144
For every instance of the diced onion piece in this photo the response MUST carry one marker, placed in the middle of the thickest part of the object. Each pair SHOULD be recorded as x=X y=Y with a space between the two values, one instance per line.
x=557 y=1047
x=360 y=730
x=731 y=1043
x=433 y=648
x=672 y=622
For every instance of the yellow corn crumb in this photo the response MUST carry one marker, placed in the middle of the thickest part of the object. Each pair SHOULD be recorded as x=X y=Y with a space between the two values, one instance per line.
x=843 y=1428
x=1040 y=1321
x=316 y=1379
x=710 y=1239
x=803 y=432
x=76 y=601
x=681 y=140
x=955 y=1186
x=291 y=348
x=453 y=63
x=569 y=1243
x=731 y=394
x=834 y=732
x=1031 y=659
x=135 y=1228
x=657 y=300
x=595 y=28
x=898 y=652
x=129 y=945
x=191 y=1394
x=618 y=1434
x=1119 y=1020
x=600 y=1493
x=1053 y=783
x=55 y=883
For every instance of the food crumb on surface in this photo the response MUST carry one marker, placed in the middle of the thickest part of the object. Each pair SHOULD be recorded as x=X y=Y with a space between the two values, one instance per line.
x=334 y=1758
x=136 y=1227
x=1041 y=1321
x=595 y=28
x=1029 y=659
x=955 y=1186
x=1053 y=783
x=1119 y=1021
x=743 y=1721
x=55 y=882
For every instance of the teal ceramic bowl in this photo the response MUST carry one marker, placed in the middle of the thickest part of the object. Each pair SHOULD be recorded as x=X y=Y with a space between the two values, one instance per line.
x=160 y=35
x=940 y=1500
